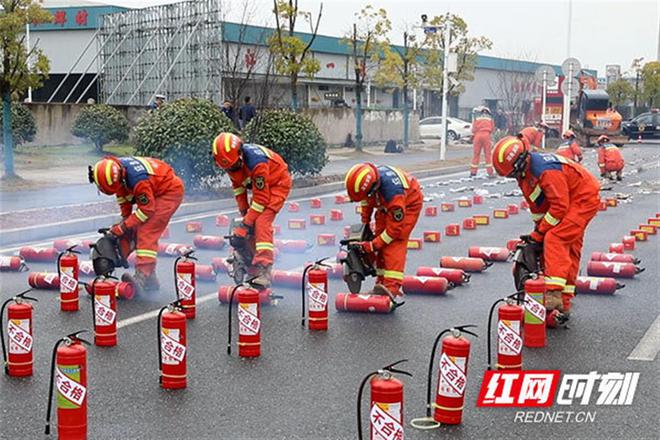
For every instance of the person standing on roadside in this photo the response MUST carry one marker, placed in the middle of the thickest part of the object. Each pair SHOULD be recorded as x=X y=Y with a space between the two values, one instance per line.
x=246 y=113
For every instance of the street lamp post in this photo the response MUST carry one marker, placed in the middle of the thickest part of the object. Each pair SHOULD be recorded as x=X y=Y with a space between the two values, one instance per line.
x=445 y=78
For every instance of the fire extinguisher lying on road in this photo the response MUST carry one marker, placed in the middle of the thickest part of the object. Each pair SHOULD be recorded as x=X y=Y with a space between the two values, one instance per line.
x=44 y=280
x=510 y=317
x=13 y=264
x=452 y=380
x=68 y=372
x=19 y=358
x=597 y=285
x=456 y=276
x=184 y=283
x=315 y=285
x=249 y=321
x=68 y=272
x=172 y=343
x=386 y=403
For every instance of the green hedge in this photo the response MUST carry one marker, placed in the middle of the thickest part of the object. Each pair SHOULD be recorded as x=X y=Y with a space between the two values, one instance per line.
x=291 y=135
x=181 y=133
x=101 y=124
x=23 y=125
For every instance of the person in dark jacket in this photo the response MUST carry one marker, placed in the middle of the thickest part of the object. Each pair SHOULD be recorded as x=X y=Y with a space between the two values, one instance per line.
x=246 y=112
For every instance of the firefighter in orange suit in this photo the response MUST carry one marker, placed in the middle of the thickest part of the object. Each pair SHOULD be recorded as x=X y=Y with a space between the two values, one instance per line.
x=157 y=192
x=570 y=149
x=610 y=159
x=264 y=172
x=482 y=129
x=533 y=136
x=397 y=199
x=565 y=197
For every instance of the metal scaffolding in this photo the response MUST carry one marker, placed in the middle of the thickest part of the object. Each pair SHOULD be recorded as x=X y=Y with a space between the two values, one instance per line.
x=174 y=50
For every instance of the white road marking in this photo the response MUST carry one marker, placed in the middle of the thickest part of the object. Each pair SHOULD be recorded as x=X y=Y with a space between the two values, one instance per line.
x=648 y=347
x=200 y=300
x=154 y=313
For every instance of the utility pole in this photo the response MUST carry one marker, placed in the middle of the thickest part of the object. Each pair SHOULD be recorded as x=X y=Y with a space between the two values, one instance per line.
x=445 y=77
x=637 y=65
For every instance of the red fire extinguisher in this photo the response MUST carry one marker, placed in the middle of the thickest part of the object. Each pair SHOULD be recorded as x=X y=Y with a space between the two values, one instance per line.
x=172 y=357
x=249 y=321
x=18 y=359
x=452 y=379
x=68 y=372
x=315 y=285
x=184 y=283
x=68 y=272
x=13 y=264
x=104 y=312
x=386 y=406
x=534 y=331
x=510 y=317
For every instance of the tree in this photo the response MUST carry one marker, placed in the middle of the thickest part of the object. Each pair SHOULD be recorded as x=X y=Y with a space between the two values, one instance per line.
x=516 y=90
x=20 y=68
x=401 y=66
x=100 y=123
x=620 y=91
x=366 y=41
x=651 y=83
x=463 y=45
x=242 y=60
x=291 y=54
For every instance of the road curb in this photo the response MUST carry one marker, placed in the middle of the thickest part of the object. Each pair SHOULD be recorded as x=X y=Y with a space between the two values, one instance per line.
x=72 y=227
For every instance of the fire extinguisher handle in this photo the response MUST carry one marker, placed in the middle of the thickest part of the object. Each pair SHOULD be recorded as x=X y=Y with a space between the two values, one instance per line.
x=463 y=329
x=620 y=286
x=391 y=368
x=76 y=337
x=71 y=249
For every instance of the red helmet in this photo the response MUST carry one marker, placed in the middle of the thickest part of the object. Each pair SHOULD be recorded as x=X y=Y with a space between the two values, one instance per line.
x=107 y=174
x=568 y=134
x=510 y=157
x=360 y=181
x=227 y=150
x=602 y=138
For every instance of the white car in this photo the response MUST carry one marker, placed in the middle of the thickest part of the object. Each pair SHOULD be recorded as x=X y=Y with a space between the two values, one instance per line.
x=456 y=128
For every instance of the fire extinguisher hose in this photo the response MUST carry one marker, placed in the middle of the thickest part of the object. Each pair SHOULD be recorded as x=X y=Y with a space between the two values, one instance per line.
x=231 y=302
x=386 y=369
x=68 y=339
x=425 y=423
x=2 y=323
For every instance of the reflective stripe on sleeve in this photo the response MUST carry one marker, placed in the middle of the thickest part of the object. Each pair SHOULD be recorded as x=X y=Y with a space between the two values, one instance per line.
x=386 y=237
x=141 y=215
x=257 y=207
x=550 y=219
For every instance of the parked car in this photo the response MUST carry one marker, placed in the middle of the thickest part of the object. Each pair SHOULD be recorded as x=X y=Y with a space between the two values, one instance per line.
x=431 y=127
x=646 y=125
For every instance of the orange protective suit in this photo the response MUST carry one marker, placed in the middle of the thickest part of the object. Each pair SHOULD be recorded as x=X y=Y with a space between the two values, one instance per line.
x=157 y=192
x=398 y=202
x=267 y=175
x=533 y=136
x=482 y=128
x=610 y=159
x=570 y=149
x=563 y=198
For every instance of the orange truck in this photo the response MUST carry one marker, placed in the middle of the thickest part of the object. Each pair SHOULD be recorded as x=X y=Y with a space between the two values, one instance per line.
x=593 y=116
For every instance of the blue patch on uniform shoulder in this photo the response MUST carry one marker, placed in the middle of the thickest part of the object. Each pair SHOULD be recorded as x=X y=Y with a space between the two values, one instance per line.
x=135 y=171
x=253 y=156
x=541 y=162
x=390 y=183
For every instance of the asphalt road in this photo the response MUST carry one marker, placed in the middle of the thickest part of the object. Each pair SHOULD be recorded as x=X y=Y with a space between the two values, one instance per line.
x=304 y=385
